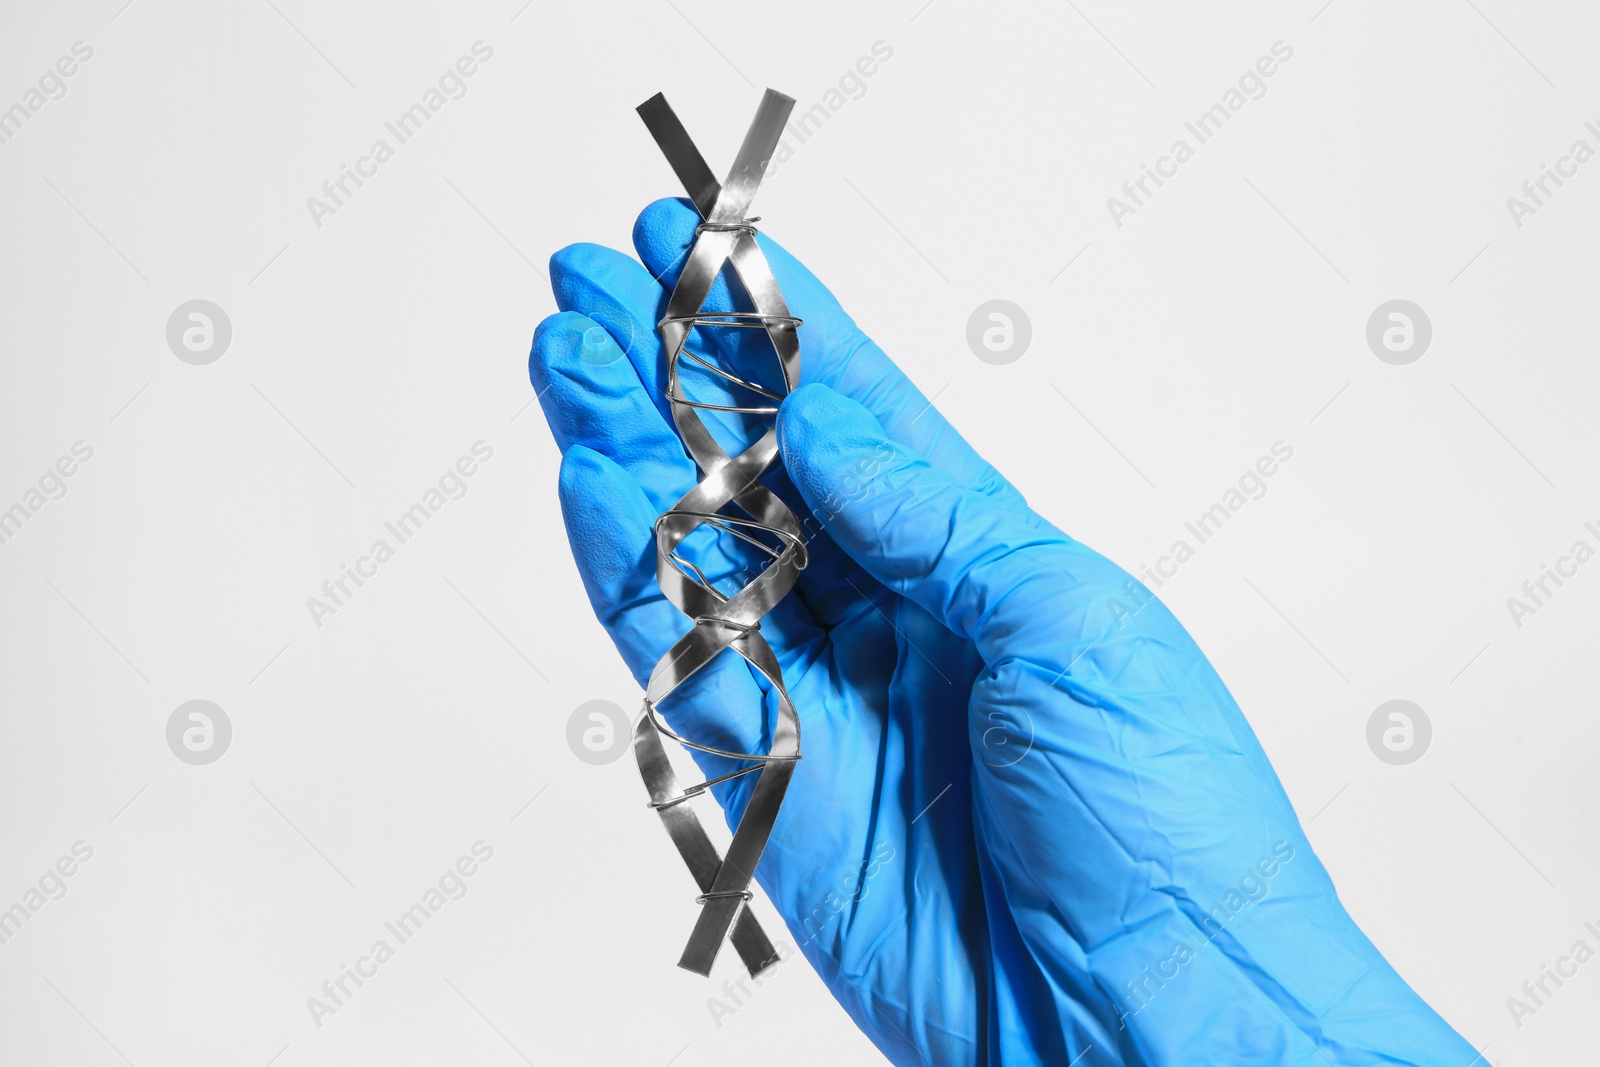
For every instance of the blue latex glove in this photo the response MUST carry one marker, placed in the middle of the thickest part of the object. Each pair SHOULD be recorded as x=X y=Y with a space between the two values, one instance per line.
x=1031 y=825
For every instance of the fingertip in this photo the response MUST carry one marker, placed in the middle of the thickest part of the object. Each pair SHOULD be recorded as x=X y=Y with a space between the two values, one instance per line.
x=577 y=270
x=574 y=368
x=663 y=236
x=564 y=262
x=568 y=337
x=609 y=287
x=582 y=471
x=558 y=339
x=815 y=420
x=799 y=414
x=664 y=230
x=830 y=443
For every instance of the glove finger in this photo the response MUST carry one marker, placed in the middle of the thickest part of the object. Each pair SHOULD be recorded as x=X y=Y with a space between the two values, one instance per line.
x=964 y=557
x=610 y=524
x=615 y=291
x=833 y=350
x=619 y=409
x=592 y=397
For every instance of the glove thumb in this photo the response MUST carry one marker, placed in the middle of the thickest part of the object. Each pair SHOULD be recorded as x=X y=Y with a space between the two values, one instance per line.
x=966 y=558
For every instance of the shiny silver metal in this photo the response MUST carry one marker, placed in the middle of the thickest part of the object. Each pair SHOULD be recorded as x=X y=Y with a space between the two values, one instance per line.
x=723 y=622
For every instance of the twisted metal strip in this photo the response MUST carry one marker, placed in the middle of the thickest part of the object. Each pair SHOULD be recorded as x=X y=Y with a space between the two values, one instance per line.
x=723 y=622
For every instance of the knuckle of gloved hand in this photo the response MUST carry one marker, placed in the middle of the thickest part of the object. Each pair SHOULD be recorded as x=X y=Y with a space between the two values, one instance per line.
x=1045 y=598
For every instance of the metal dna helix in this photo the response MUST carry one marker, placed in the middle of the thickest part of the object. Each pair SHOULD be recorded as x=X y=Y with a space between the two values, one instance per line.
x=721 y=621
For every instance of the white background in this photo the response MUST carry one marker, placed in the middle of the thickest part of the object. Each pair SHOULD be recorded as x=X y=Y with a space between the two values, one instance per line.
x=372 y=351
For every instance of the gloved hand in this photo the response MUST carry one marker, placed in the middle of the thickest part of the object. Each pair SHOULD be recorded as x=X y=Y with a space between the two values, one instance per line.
x=1031 y=825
